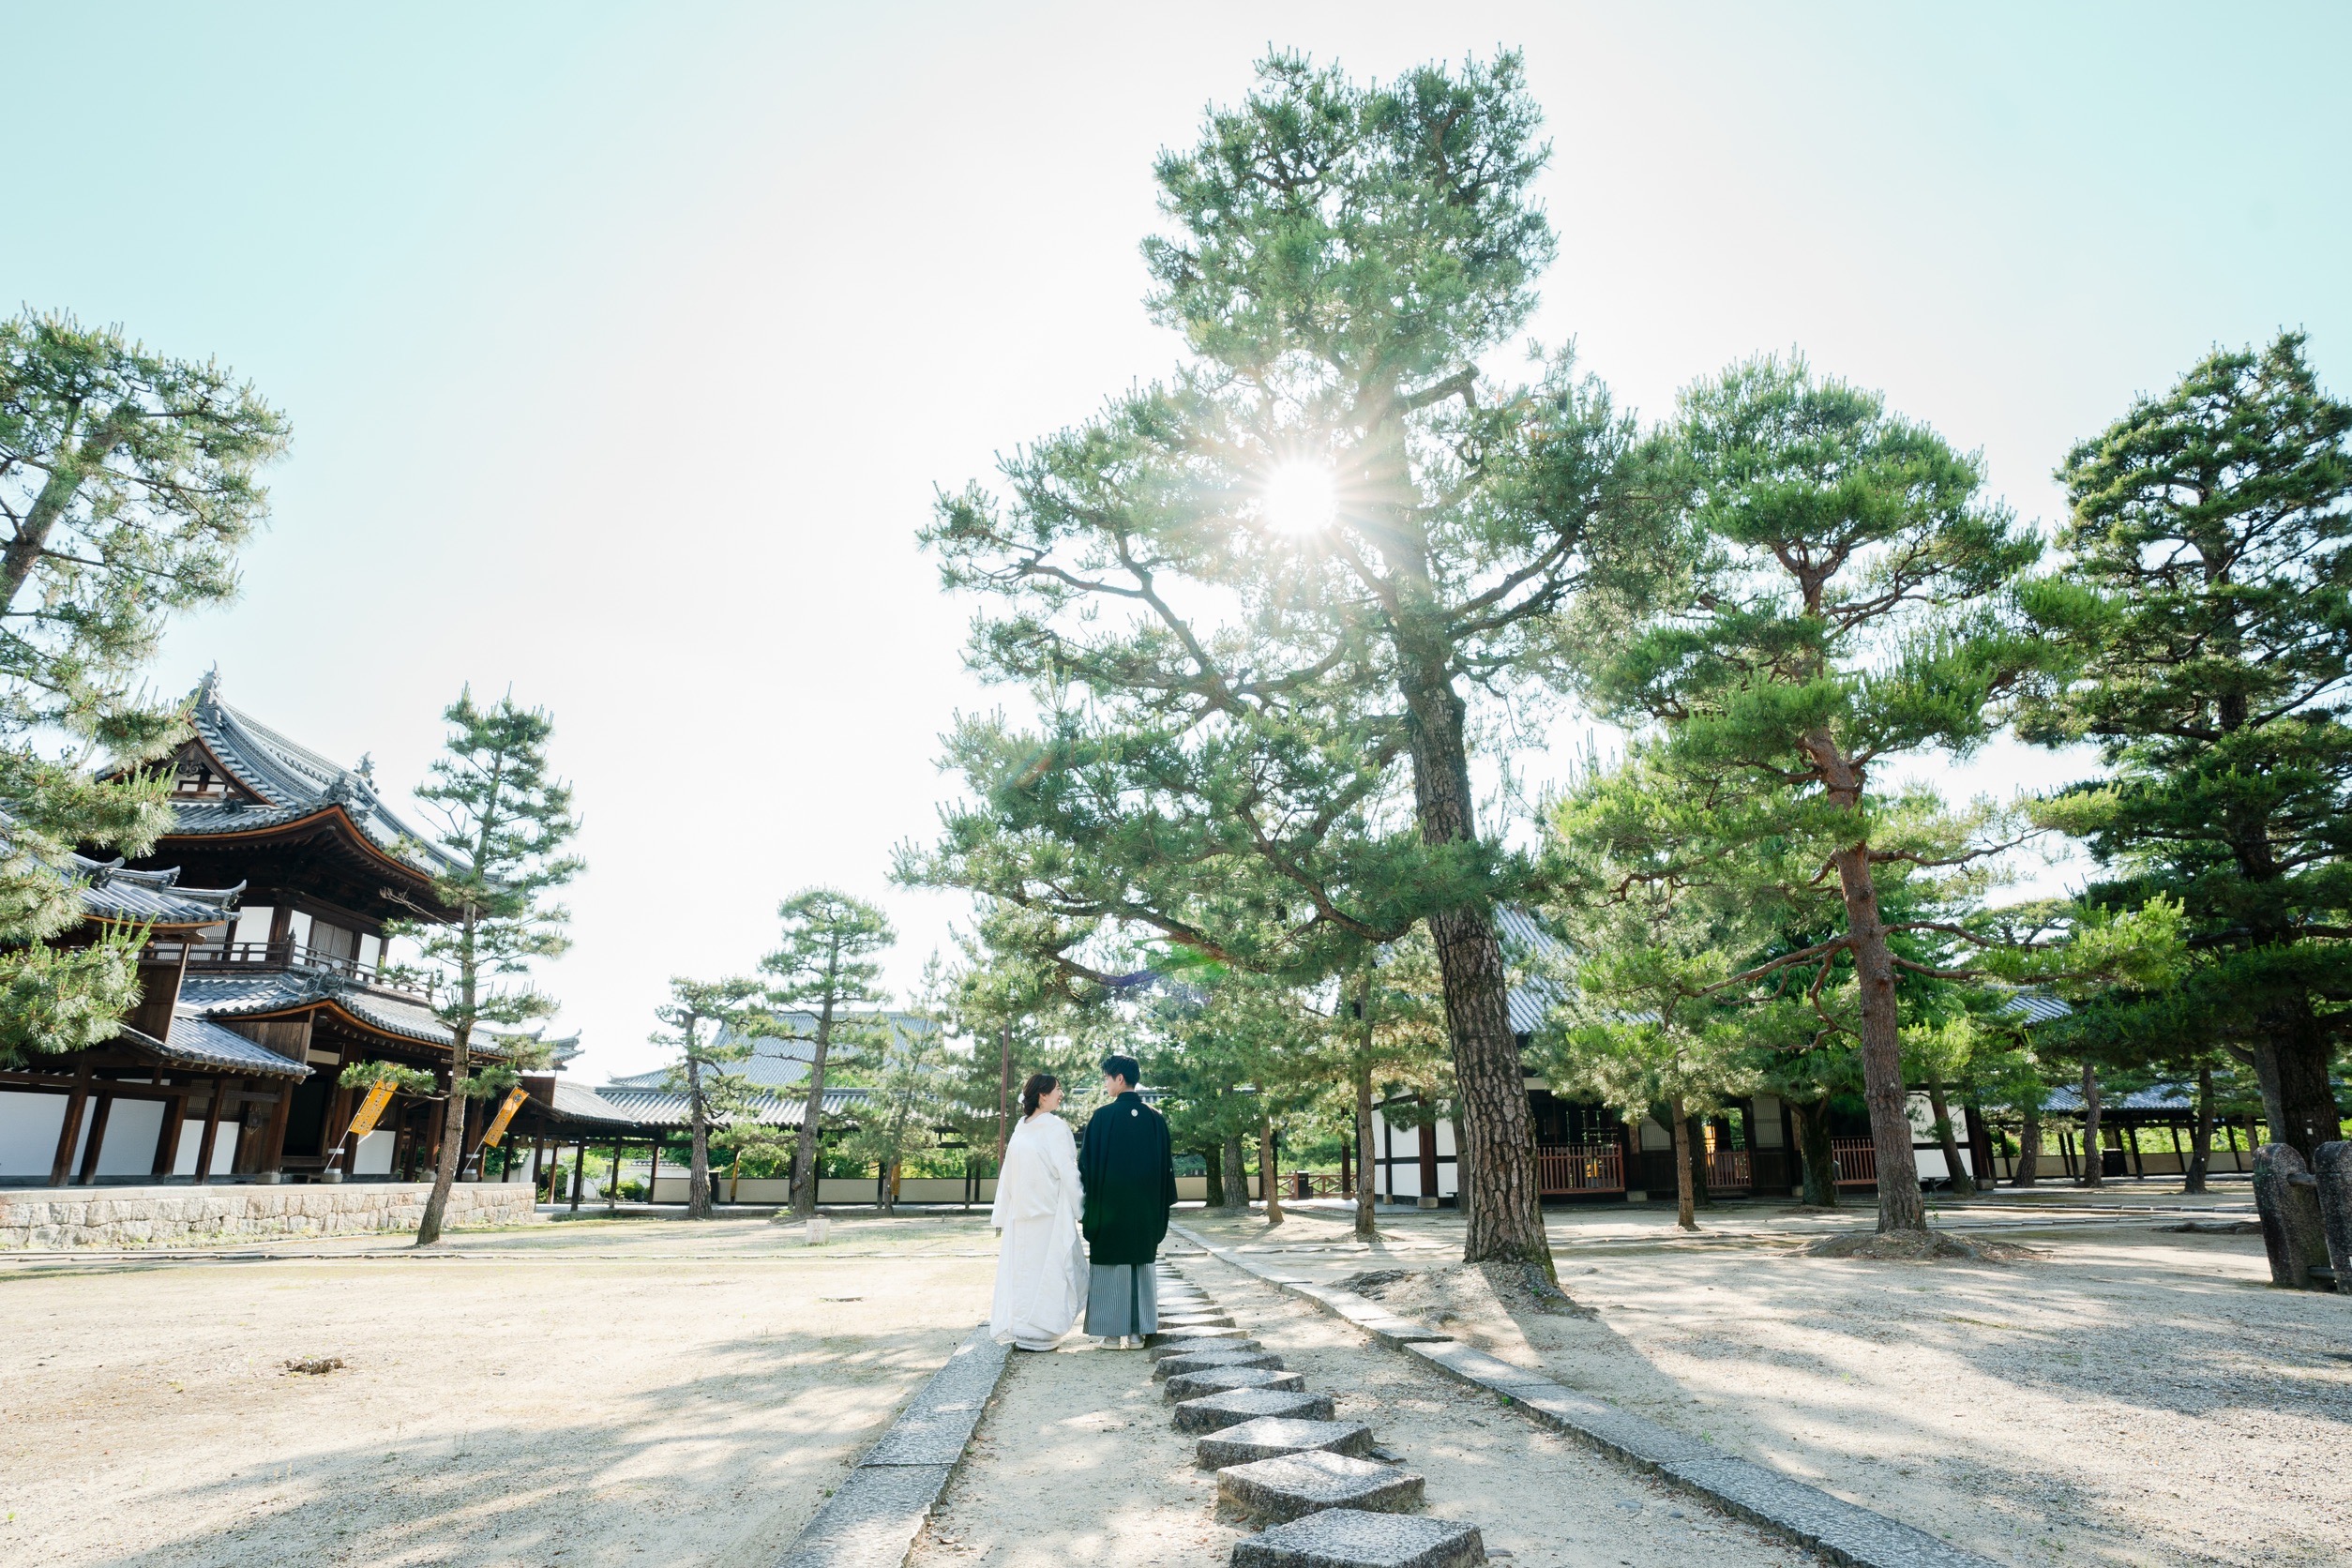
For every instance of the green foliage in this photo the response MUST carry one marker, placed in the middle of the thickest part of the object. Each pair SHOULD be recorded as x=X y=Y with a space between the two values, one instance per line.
x=128 y=482
x=825 y=961
x=417 y=1083
x=711 y=1025
x=909 y=1086
x=2206 y=605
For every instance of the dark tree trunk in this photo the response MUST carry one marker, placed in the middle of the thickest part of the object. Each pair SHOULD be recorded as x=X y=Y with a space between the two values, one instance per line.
x=1465 y=1174
x=1818 y=1161
x=1506 y=1224
x=1963 y=1184
x=1236 y=1177
x=2201 y=1136
x=2029 y=1168
x=1900 y=1205
x=1685 y=1199
x=699 y=1133
x=1693 y=1150
x=2291 y=1062
x=1269 y=1178
x=812 y=1115
x=2094 y=1156
x=1367 y=1227
x=1211 y=1164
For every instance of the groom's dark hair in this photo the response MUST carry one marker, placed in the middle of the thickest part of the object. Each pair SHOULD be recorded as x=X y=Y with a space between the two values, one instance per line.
x=1123 y=1067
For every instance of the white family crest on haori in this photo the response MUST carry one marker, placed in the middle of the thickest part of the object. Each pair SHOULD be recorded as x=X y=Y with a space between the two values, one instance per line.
x=1041 y=1263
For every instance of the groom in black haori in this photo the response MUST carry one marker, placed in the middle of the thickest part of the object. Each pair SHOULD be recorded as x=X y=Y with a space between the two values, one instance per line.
x=1128 y=1167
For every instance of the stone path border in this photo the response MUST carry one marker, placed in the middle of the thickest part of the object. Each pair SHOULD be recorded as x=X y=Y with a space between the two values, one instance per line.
x=873 y=1516
x=1843 y=1532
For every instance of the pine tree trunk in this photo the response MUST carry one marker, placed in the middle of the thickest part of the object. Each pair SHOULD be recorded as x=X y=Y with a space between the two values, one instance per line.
x=2291 y=1061
x=1465 y=1174
x=812 y=1115
x=2094 y=1157
x=1694 y=1148
x=1236 y=1177
x=452 y=1145
x=1685 y=1203
x=2028 y=1169
x=1268 y=1177
x=1213 y=1166
x=1814 y=1154
x=1963 y=1185
x=1900 y=1205
x=698 y=1127
x=2201 y=1137
x=1507 y=1222
x=1367 y=1216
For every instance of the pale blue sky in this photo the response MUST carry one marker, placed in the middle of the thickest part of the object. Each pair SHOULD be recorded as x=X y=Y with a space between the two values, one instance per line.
x=625 y=344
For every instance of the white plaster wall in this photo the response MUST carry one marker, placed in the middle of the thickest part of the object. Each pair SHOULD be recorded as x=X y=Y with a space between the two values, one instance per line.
x=224 y=1149
x=28 y=1134
x=131 y=1127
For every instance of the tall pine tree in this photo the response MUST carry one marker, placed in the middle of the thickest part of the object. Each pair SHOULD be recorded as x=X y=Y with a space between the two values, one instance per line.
x=2208 y=596
x=1274 y=585
x=712 y=1025
x=506 y=824
x=128 y=482
x=824 y=964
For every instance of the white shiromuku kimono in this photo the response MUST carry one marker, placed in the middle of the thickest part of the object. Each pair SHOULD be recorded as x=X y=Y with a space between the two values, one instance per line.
x=1041 y=1264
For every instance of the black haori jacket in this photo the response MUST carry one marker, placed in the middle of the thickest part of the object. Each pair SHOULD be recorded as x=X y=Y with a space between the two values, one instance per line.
x=1129 y=1170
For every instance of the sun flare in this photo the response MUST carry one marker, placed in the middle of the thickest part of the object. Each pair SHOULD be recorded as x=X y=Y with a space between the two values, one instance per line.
x=1301 y=497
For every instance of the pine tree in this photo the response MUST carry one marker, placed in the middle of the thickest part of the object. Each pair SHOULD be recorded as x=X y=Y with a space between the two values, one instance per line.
x=505 y=823
x=712 y=1025
x=824 y=964
x=1838 y=616
x=128 y=482
x=2207 y=596
x=1266 y=594
x=909 y=1086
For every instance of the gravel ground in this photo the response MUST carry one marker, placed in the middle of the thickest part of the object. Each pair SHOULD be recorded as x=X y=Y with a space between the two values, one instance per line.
x=624 y=1393
x=2132 y=1395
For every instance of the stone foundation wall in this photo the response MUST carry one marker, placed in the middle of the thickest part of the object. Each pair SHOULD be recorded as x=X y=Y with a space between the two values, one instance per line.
x=190 y=1215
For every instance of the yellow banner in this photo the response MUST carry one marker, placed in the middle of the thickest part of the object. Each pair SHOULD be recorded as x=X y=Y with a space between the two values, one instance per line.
x=505 y=1114
x=370 y=1108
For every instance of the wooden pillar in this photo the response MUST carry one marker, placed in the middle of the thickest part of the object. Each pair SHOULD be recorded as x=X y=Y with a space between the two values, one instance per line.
x=99 y=1114
x=212 y=1129
x=652 y=1172
x=579 y=1165
x=269 y=1153
x=1429 y=1164
x=613 y=1189
x=1347 y=1163
x=69 y=1130
x=167 y=1137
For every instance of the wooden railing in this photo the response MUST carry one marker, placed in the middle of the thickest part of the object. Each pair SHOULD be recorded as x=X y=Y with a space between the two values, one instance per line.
x=1857 y=1161
x=1565 y=1168
x=1314 y=1183
x=288 y=954
x=1727 y=1168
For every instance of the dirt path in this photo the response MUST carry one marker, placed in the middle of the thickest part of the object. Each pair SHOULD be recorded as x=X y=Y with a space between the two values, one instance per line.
x=634 y=1408
x=1077 y=1463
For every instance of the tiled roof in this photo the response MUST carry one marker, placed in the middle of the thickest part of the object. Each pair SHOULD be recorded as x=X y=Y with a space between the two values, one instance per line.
x=292 y=782
x=193 y=1042
x=109 y=892
x=576 y=1102
x=282 y=990
x=2036 y=1007
x=781 y=1061
x=1532 y=1001
x=655 y=1108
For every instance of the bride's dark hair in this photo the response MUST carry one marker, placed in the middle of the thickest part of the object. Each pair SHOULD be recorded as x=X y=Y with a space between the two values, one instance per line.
x=1037 y=1088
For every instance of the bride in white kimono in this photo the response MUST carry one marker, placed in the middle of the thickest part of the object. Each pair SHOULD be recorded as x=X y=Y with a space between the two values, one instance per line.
x=1041 y=1264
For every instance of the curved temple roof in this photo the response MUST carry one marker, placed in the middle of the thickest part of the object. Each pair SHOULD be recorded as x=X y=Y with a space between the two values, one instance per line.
x=288 y=782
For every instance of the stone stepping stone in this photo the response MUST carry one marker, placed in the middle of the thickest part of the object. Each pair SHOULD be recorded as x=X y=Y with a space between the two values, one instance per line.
x=1196 y=1332
x=1165 y=1367
x=1201 y=1347
x=1225 y=1380
x=1213 y=1412
x=1292 y=1485
x=1355 y=1538
x=1197 y=1320
x=1271 y=1437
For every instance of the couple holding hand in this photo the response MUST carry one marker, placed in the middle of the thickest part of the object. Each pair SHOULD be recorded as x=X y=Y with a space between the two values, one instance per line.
x=1114 y=1188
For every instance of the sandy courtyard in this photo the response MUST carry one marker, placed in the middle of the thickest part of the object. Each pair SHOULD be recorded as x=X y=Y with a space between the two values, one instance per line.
x=2134 y=1395
x=576 y=1394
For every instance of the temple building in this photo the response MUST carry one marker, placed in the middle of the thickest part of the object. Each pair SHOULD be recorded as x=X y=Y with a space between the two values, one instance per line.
x=265 y=973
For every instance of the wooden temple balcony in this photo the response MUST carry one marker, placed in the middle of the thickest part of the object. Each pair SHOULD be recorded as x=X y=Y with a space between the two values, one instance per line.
x=1564 y=1169
x=284 y=954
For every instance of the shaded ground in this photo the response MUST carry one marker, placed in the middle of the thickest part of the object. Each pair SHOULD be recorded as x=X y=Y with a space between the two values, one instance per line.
x=612 y=1393
x=1077 y=1463
x=2137 y=1395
